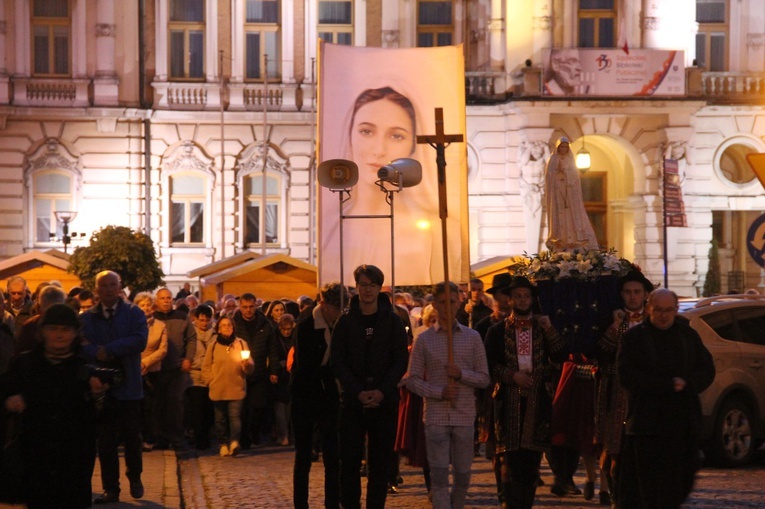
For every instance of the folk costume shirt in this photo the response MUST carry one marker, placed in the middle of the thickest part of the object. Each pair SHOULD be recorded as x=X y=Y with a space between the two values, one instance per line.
x=427 y=374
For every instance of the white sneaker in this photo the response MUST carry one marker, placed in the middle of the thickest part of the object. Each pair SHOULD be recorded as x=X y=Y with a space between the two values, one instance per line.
x=224 y=451
x=234 y=448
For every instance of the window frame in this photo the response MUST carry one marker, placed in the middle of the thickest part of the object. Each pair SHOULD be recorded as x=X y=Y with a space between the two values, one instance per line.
x=336 y=28
x=434 y=30
x=53 y=197
x=51 y=23
x=279 y=199
x=708 y=31
x=188 y=200
x=274 y=61
x=186 y=27
x=597 y=15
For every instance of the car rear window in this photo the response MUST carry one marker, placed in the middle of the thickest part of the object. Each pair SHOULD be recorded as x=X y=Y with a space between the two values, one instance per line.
x=751 y=324
x=722 y=323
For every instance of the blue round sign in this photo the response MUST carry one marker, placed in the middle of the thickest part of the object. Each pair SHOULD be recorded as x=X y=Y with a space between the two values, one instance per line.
x=755 y=241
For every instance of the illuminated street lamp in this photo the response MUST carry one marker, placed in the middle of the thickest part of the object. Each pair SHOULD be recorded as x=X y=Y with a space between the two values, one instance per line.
x=65 y=217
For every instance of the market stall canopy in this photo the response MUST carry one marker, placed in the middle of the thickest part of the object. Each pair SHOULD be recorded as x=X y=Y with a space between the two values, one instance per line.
x=268 y=277
x=38 y=267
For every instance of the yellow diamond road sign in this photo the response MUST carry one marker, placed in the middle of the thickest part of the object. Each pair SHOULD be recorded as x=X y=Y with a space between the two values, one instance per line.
x=757 y=162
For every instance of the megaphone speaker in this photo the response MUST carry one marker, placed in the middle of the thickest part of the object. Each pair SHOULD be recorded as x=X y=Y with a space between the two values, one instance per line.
x=338 y=174
x=408 y=170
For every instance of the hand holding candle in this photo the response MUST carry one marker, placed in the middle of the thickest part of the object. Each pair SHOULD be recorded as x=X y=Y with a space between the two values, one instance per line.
x=245 y=354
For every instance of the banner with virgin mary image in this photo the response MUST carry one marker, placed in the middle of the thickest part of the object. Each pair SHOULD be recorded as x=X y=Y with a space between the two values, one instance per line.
x=372 y=104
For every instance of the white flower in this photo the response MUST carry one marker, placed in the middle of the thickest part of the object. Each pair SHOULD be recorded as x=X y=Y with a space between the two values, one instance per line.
x=584 y=266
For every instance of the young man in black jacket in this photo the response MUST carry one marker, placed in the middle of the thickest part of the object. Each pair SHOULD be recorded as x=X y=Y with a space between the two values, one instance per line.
x=369 y=357
x=315 y=400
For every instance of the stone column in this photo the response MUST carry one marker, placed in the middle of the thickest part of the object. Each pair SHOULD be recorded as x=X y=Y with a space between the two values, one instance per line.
x=105 y=83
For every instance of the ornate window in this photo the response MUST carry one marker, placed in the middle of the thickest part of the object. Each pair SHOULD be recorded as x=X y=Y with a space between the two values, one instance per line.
x=597 y=23
x=52 y=180
x=187 y=208
x=51 y=38
x=711 y=45
x=435 y=23
x=187 y=39
x=336 y=21
x=264 y=212
x=259 y=218
x=189 y=179
x=262 y=38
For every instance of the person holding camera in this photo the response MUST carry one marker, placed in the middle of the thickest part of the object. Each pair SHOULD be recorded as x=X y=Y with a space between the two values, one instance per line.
x=53 y=393
x=115 y=334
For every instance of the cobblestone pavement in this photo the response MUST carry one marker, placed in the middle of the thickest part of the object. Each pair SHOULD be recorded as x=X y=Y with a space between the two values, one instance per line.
x=262 y=478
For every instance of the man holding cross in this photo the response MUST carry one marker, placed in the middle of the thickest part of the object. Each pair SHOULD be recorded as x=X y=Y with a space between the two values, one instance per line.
x=448 y=390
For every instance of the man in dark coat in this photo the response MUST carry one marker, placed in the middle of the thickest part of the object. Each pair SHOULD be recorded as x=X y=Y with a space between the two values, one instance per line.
x=315 y=400
x=369 y=356
x=252 y=326
x=174 y=377
x=476 y=307
x=663 y=366
x=116 y=333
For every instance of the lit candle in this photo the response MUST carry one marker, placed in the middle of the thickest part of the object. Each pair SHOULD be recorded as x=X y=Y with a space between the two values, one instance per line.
x=245 y=354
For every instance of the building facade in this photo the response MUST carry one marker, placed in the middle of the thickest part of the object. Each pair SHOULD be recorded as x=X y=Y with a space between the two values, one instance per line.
x=194 y=120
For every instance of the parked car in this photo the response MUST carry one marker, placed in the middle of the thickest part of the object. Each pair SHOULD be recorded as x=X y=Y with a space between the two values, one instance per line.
x=732 y=327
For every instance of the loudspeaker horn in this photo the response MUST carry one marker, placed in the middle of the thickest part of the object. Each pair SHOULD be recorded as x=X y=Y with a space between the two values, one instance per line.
x=404 y=172
x=338 y=174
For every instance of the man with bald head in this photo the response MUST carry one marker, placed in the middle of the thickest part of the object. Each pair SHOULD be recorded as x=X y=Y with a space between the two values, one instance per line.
x=115 y=334
x=663 y=366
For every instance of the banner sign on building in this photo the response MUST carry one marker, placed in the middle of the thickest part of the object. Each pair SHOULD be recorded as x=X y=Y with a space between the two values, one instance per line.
x=674 y=208
x=612 y=72
x=372 y=103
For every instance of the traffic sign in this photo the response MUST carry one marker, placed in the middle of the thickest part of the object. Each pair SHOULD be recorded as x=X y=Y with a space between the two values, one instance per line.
x=755 y=240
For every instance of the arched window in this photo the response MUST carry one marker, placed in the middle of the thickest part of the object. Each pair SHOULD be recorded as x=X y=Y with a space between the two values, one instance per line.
x=188 y=183
x=260 y=218
x=187 y=208
x=52 y=179
x=53 y=191
x=263 y=213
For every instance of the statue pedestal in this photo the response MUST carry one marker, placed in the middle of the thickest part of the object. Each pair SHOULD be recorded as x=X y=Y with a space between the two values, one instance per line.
x=580 y=309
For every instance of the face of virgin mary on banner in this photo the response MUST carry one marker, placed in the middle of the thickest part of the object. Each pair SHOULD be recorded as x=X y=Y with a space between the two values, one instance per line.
x=372 y=105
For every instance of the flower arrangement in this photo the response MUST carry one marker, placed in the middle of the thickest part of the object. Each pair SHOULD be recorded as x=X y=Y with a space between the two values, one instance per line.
x=578 y=264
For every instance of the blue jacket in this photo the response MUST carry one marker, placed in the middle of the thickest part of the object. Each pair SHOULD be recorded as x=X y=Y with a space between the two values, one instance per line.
x=124 y=337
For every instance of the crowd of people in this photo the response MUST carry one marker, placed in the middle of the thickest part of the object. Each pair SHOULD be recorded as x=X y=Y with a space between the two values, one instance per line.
x=360 y=379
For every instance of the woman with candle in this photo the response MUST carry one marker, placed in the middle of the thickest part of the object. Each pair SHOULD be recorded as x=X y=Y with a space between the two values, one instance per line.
x=226 y=366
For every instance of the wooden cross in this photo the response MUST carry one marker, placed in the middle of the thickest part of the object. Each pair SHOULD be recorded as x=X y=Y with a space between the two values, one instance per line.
x=440 y=141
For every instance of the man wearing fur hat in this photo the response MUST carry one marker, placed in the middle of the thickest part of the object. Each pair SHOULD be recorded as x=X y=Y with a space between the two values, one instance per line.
x=519 y=351
x=612 y=400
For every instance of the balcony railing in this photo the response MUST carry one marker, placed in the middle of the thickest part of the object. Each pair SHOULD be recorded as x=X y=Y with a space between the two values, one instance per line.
x=485 y=86
x=51 y=92
x=739 y=85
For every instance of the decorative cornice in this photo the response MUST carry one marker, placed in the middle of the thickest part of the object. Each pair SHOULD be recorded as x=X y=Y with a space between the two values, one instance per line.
x=495 y=24
x=543 y=22
x=390 y=38
x=105 y=30
x=755 y=41
x=650 y=23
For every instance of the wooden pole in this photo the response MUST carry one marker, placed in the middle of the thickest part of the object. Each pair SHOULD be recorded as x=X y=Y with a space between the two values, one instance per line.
x=440 y=141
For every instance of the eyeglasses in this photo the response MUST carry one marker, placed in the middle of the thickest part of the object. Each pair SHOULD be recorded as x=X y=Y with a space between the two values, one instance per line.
x=367 y=286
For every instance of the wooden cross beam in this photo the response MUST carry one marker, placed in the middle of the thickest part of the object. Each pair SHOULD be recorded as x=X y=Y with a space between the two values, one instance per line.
x=440 y=141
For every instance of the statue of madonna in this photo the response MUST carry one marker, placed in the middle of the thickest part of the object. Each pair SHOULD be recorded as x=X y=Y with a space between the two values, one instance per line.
x=567 y=222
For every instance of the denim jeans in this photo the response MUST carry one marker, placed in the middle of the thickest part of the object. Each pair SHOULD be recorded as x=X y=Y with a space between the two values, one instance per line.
x=228 y=420
x=447 y=444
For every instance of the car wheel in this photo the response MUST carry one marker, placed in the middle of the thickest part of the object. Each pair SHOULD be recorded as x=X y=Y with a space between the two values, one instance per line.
x=732 y=444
